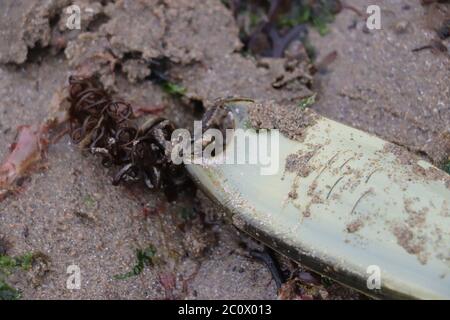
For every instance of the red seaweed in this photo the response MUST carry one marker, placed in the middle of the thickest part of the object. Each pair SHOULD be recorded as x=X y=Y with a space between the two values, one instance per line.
x=27 y=150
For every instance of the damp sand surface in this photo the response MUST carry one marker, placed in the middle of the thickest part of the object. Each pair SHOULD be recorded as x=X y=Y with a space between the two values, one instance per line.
x=69 y=211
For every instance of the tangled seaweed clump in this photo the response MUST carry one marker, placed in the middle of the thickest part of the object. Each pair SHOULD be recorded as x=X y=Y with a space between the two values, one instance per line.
x=105 y=127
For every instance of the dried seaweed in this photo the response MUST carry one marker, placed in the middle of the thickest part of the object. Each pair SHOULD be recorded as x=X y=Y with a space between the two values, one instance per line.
x=105 y=127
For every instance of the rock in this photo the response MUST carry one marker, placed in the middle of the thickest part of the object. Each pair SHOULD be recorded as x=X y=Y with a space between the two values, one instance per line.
x=25 y=24
x=401 y=27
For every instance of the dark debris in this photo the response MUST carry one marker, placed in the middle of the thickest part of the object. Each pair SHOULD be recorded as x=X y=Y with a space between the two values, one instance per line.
x=104 y=126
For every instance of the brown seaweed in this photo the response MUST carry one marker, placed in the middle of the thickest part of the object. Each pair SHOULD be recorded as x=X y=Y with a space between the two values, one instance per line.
x=105 y=127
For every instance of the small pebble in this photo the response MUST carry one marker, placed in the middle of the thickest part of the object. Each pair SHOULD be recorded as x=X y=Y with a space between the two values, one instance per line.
x=401 y=27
